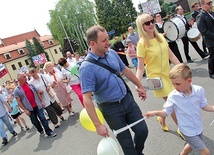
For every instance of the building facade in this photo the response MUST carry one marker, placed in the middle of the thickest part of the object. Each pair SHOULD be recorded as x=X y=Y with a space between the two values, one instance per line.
x=14 y=54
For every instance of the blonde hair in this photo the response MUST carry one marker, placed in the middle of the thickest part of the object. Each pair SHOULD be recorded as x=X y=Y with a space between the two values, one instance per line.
x=141 y=19
x=47 y=64
x=180 y=70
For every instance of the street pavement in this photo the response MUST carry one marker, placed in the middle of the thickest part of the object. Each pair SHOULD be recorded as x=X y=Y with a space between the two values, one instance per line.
x=73 y=139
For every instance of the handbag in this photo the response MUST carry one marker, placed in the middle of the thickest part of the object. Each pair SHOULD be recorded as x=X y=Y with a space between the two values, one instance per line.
x=49 y=92
x=111 y=70
x=68 y=89
x=154 y=83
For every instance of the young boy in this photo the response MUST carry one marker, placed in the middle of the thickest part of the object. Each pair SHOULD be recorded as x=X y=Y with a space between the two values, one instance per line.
x=187 y=100
x=15 y=112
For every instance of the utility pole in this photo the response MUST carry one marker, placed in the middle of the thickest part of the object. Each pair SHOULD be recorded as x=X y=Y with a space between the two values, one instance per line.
x=66 y=35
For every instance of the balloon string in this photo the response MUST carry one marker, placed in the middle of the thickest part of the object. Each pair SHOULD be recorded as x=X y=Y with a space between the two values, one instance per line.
x=112 y=145
x=211 y=123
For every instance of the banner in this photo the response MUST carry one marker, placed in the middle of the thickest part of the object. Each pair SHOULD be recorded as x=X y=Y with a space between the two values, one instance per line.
x=23 y=69
x=3 y=70
x=39 y=59
x=151 y=7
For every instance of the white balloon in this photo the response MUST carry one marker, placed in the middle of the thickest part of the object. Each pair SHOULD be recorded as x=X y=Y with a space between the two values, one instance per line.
x=107 y=146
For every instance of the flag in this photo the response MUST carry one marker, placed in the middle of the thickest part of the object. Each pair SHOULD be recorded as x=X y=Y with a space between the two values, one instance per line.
x=3 y=70
x=39 y=59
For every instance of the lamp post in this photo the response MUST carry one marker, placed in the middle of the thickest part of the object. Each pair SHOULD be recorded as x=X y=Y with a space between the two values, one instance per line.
x=66 y=35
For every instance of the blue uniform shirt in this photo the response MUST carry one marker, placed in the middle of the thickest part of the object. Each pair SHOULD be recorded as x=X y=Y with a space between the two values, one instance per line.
x=107 y=86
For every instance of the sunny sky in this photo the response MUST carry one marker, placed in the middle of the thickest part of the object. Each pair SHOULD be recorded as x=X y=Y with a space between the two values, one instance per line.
x=20 y=16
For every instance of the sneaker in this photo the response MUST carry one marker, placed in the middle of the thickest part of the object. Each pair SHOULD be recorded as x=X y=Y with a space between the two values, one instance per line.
x=42 y=133
x=22 y=128
x=52 y=134
x=27 y=128
x=71 y=113
x=14 y=133
x=180 y=134
x=4 y=141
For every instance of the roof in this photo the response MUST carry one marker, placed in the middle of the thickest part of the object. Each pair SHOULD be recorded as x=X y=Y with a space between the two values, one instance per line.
x=22 y=44
x=20 y=38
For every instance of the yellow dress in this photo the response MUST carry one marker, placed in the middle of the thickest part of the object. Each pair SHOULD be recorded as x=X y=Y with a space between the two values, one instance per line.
x=156 y=59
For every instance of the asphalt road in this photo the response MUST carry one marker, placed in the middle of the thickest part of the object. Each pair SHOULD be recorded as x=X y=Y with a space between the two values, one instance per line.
x=73 y=139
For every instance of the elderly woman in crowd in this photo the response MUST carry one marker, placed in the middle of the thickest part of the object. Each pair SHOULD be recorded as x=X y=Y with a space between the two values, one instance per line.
x=55 y=80
x=51 y=106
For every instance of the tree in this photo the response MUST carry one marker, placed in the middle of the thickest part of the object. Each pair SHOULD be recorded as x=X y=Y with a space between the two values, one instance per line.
x=31 y=52
x=115 y=14
x=127 y=13
x=76 y=16
x=39 y=49
x=105 y=14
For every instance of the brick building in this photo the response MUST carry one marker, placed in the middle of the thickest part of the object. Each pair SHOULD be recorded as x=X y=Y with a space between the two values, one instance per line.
x=14 y=54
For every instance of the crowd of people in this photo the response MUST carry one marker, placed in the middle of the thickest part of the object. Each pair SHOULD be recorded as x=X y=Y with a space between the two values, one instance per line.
x=100 y=76
x=41 y=94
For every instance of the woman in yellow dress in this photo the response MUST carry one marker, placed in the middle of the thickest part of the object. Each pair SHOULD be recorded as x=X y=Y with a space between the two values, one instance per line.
x=153 y=51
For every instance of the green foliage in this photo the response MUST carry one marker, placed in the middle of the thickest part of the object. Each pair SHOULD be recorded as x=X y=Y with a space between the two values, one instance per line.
x=104 y=11
x=31 y=52
x=76 y=17
x=115 y=15
x=167 y=9
x=39 y=48
x=34 y=49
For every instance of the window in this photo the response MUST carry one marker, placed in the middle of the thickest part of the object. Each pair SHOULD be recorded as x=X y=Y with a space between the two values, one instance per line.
x=7 y=55
x=20 y=64
x=51 y=42
x=55 y=51
x=13 y=67
x=26 y=62
x=21 y=51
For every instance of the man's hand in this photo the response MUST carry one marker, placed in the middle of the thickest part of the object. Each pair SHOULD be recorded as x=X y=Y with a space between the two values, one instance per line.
x=102 y=130
x=43 y=104
x=27 y=112
x=141 y=93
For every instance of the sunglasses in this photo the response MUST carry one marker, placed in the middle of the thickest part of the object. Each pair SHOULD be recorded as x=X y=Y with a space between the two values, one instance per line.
x=209 y=3
x=149 y=22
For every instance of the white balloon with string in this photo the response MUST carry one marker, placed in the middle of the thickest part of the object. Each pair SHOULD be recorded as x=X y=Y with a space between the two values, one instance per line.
x=107 y=146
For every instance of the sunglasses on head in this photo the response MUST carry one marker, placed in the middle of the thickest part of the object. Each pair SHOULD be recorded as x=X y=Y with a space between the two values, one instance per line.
x=149 y=22
x=209 y=3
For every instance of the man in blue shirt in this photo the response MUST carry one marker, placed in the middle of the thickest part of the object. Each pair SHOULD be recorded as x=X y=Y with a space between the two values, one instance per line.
x=115 y=102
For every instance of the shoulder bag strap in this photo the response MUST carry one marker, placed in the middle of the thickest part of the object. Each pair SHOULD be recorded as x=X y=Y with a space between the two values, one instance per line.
x=111 y=70
x=43 y=81
x=73 y=74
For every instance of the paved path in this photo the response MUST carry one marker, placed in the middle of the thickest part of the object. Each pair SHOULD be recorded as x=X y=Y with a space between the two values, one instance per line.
x=73 y=139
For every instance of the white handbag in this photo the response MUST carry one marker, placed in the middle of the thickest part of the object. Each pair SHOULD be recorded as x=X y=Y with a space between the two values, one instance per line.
x=68 y=89
x=154 y=83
